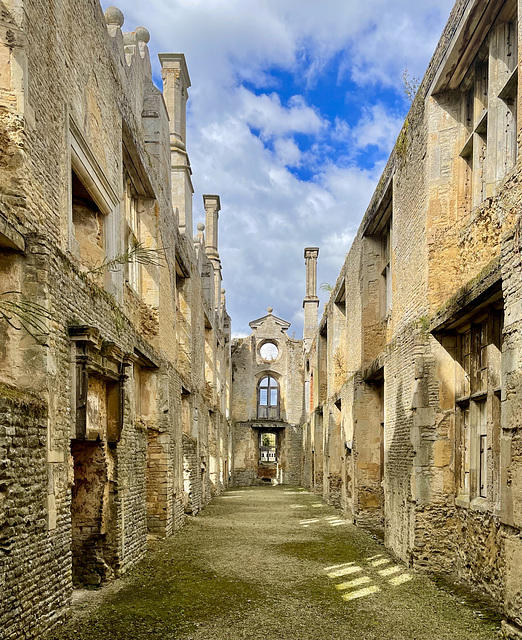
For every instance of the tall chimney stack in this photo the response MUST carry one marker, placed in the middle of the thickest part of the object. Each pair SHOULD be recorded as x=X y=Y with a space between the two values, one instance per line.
x=176 y=82
x=311 y=301
x=212 y=204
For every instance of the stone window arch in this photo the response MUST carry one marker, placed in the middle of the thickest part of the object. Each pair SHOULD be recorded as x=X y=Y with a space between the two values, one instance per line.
x=268 y=398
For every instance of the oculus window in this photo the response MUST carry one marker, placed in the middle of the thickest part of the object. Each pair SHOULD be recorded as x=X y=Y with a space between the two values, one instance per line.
x=269 y=351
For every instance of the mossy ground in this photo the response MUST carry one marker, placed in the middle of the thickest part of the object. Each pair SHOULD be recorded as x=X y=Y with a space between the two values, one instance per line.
x=249 y=567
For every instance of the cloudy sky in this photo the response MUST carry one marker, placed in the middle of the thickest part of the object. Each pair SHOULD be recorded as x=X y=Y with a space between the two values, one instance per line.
x=293 y=110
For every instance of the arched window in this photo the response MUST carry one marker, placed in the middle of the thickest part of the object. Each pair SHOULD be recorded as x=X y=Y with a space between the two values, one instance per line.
x=268 y=398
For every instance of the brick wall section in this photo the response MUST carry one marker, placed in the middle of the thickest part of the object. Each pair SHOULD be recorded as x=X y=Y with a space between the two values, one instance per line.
x=35 y=569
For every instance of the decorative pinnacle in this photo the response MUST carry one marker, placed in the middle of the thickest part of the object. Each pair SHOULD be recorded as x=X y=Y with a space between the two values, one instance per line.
x=114 y=16
x=270 y=310
x=142 y=34
x=201 y=226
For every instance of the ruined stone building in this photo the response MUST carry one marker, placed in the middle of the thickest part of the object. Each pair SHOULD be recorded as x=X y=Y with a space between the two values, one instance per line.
x=123 y=405
x=115 y=340
x=415 y=371
x=267 y=404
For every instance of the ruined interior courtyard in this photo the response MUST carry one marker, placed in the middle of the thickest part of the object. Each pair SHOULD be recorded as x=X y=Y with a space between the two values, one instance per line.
x=128 y=412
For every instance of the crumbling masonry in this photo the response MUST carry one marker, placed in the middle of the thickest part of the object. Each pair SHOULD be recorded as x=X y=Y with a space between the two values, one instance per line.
x=115 y=359
x=123 y=405
x=415 y=419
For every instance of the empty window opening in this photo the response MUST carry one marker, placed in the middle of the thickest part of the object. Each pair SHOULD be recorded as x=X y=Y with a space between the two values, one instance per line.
x=186 y=412
x=267 y=447
x=132 y=219
x=268 y=398
x=88 y=226
x=489 y=98
x=477 y=404
x=386 y=269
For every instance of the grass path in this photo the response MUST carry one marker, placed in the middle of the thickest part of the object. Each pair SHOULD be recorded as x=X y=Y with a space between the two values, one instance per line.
x=273 y=563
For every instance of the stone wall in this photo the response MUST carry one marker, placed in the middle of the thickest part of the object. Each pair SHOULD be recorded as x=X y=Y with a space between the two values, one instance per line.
x=423 y=365
x=279 y=411
x=35 y=569
x=92 y=447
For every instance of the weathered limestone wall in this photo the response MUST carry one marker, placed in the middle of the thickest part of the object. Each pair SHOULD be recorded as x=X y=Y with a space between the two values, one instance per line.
x=284 y=365
x=415 y=384
x=96 y=389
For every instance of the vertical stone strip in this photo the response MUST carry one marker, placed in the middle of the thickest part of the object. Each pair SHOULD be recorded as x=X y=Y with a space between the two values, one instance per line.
x=311 y=301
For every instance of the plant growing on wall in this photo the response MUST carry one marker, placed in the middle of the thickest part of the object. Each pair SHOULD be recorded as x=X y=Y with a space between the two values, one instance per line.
x=137 y=253
x=25 y=314
x=339 y=365
x=410 y=85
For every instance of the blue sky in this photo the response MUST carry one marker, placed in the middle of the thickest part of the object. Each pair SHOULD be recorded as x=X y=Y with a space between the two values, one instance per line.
x=293 y=110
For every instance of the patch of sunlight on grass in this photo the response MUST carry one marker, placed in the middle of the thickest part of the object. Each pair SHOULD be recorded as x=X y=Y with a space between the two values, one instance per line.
x=317 y=504
x=336 y=524
x=344 y=572
x=378 y=563
x=398 y=580
x=379 y=555
x=331 y=517
x=297 y=506
x=308 y=521
x=339 y=566
x=360 y=593
x=356 y=582
x=389 y=571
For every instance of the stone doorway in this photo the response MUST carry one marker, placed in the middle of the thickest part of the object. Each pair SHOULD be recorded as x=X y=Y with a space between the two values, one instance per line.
x=268 y=466
x=92 y=558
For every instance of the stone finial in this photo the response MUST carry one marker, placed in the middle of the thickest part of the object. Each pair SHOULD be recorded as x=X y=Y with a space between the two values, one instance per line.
x=142 y=34
x=201 y=226
x=176 y=81
x=270 y=310
x=114 y=16
x=223 y=291
x=129 y=38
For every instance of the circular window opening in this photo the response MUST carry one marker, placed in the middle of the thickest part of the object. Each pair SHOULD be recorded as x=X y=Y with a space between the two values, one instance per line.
x=269 y=351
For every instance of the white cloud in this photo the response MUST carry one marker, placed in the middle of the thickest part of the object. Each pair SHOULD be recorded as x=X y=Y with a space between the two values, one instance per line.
x=265 y=112
x=377 y=127
x=287 y=152
x=269 y=213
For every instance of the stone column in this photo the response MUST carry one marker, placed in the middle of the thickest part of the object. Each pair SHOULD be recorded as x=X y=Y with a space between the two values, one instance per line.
x=311 y=301
x=176 y=82
x=212 y=206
